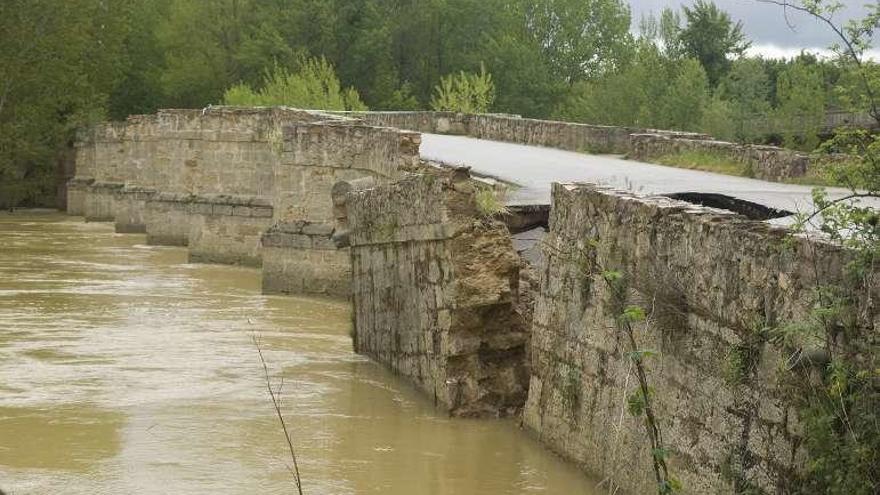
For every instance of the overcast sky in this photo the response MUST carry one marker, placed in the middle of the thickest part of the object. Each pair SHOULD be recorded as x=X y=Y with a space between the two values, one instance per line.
x=765 y=24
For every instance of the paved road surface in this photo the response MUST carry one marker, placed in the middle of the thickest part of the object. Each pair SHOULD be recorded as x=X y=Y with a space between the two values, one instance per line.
x=535 y=169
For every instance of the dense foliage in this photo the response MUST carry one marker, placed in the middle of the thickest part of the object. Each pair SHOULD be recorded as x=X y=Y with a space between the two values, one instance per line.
x=66 y=64
x=464 y=92
x=314 y=85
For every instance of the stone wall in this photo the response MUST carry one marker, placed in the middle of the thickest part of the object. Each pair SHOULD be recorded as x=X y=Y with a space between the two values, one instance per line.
x=217 y=179
x=99 y=203
x=764 y=162
x=298 y=253
x=710 y=281
x=77 y=190
x=434 y=289
x=421 y=121
x=569 y=136
x=188 y=153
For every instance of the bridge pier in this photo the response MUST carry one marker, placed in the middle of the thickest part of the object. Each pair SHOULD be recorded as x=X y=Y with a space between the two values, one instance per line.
x=217 y=180
x=301 y=258
x=168 y=219
x=227 y=230
x=130 y=209
x=99 y=201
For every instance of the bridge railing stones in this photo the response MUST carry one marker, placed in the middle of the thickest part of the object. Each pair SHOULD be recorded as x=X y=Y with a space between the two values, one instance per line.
x=569 y=136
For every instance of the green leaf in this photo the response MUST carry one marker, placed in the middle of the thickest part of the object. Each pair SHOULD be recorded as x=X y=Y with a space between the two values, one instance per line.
x=612 y=276
x=640 y=355
x=636 y=403
x=660 y=453
x=633 y=314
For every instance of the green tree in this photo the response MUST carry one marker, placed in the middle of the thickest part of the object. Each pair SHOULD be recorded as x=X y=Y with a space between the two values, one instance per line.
x=682 y=106
x=465 y=92
x=524 y=81
x=626 y=97
x=710 y=36
x=313 y=86
x=212 y=44
x=59 y=61
x=747 y=89
x=718 y=119
x=801 y=110
x=139 y=90
x=581 y=39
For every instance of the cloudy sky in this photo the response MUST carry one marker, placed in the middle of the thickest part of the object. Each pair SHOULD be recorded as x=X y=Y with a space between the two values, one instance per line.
x=766 y=25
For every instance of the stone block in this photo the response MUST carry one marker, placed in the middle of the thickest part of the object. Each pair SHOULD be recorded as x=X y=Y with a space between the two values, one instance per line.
x=224 y=210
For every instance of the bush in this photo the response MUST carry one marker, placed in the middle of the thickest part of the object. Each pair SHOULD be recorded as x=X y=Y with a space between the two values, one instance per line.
x=315 y=86
x=491 y=201
x=465 y=92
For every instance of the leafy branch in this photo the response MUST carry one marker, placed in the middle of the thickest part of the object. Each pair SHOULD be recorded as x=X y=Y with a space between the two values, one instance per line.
x=854 y=36
x=640 y=402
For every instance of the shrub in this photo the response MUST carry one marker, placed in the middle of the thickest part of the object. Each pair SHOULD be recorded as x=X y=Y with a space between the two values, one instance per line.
x=314 y=86
x=465 y=92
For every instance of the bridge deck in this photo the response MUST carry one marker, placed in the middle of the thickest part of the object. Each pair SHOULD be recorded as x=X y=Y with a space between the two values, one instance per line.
x=535 y=169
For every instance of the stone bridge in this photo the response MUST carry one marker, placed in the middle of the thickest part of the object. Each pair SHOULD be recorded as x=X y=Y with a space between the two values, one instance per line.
x=498 y=313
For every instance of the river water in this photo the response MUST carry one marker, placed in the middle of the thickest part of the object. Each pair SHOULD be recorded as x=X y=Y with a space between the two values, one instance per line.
x=126 y=370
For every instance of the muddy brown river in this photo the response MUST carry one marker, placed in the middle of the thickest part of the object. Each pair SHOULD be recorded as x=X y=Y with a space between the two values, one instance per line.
x=126 y=370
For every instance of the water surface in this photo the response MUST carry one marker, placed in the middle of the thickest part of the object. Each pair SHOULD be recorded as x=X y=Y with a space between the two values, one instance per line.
x=123 y=369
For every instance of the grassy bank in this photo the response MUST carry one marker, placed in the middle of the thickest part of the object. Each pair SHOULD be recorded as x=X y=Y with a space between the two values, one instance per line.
x=708 y=162
x=820 y=174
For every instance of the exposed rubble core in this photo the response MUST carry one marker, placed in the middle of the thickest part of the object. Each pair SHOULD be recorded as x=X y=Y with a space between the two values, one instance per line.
x=434 y=292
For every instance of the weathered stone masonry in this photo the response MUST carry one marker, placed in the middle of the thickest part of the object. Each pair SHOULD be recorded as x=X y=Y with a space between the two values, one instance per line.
x=709 y=280
x=510 y=128
x=434 y=289
x=436 y=285
x=298 y=255
x=764 y=162
x=217 y=179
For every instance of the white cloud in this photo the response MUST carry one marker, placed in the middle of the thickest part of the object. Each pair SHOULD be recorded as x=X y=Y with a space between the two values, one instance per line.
x=768 y=50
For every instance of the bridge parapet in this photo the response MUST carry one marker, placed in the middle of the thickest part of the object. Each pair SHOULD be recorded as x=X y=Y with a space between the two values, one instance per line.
x=571 y=136
x=764 y=162
x=711 y=283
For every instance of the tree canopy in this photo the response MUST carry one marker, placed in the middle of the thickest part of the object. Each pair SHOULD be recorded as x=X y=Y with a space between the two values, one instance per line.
x=65 y=64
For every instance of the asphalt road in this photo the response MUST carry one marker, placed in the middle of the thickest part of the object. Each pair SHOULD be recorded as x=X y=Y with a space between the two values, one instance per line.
x=535 y=169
